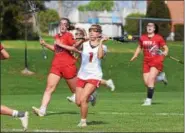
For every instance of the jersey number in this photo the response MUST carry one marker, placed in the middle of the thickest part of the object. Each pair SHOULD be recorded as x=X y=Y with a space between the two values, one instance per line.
x=90 y=56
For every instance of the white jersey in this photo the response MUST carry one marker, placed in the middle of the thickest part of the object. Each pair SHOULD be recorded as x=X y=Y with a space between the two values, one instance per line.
x=90 y=63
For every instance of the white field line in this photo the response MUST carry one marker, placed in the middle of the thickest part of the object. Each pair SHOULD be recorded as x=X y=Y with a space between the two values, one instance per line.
x=101 y=113
x=130 y=113
x=34 y=130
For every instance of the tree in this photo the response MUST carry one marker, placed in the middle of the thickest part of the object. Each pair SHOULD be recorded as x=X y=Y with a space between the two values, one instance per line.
x=46 y=17
x=132 y=25
x=67 y=6
x=158 y=9
x=97 y=6
x=12 y=17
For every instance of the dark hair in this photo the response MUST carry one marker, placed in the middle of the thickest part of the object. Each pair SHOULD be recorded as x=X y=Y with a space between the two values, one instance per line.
x=71 y=27
x=98 y=27
x=156 y=27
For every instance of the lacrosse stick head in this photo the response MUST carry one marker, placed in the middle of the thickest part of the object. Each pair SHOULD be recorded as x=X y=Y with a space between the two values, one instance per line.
x=154 y=50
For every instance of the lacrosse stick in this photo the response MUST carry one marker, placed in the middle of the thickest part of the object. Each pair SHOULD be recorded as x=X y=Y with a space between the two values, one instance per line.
x=156 y=50
x=33 y=11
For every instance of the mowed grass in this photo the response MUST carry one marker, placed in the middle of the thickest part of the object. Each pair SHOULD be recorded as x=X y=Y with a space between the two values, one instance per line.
x=118 y=111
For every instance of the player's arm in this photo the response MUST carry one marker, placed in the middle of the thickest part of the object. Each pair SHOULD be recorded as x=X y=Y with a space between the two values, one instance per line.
x=136 y=53
x=101 y=51
x=164 y=46
x=165 y=50
x=48 y=46
x=78 y=43
x=4 y=53
x=67 y=47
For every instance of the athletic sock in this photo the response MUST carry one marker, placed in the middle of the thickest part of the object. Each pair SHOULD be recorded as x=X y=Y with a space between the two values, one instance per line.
x=15 y=113
x=43 y=109
x=83 y=120
x=150 y=92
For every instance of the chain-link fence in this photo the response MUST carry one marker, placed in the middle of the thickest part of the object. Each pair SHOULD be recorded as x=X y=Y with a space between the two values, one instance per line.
x=166 y=27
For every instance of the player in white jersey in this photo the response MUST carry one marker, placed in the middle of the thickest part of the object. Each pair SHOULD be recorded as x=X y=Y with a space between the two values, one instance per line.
x=80 y=34
x=90 y=73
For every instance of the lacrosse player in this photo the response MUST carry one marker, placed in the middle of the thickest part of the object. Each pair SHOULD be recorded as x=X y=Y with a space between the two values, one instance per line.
x=81 y=34
x=153 y=61
x=63 y=65
x=90 y=72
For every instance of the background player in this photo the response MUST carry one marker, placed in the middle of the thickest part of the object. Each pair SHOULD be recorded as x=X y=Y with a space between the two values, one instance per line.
x=152 y=62
x=63 y=64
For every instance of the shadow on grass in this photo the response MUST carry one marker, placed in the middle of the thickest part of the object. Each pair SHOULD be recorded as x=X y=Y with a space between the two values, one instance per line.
x=96 y=122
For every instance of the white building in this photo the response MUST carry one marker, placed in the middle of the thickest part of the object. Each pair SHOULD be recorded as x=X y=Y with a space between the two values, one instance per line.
x=111 y=22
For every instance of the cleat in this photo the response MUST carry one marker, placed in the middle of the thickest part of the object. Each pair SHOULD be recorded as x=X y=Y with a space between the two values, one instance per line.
x=147 y=102
x=93 y=102
x=165 y=81
x=71 y=98
x=24 y=121
x=82 y=124
x=110 y=84
x=38 y=112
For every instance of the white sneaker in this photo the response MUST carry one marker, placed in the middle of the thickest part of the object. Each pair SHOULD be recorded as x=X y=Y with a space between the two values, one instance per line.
x=147 y=102
x=93 y=102
x=163 y=75
x=82 y=124
x=24 y=121
x=71 y=98
x=110 y=84
x=38 y=112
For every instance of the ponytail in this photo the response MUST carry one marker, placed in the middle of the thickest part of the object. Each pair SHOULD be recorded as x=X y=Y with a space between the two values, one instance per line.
x=70 y=26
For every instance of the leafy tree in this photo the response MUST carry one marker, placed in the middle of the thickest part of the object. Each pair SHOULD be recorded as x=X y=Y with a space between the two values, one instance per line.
x=46 y=17
x=13 y=17
x=97 y=6
x=132 y=25
x=158 y=9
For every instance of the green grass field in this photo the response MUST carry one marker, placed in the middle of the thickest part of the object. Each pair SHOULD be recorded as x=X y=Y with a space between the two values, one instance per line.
x=118 y=111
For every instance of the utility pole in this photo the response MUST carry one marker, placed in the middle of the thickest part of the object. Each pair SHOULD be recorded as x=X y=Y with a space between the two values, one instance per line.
x=60 y=8
x=26 y=71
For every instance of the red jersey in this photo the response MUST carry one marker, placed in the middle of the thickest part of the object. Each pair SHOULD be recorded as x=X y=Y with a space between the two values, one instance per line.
x=147 y=43
x=62 y=56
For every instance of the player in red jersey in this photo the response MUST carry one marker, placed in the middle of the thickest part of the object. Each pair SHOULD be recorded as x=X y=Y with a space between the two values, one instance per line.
x=23 y=116
x=153 y=61
x=63 y=64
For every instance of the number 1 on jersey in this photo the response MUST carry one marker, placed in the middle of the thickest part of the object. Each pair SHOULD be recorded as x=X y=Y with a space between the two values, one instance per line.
x=90 y=56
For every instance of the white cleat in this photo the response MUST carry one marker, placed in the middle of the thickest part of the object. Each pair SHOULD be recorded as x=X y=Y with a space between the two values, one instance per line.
x=38 y=112
x=147 y=102
x=24 y=121
x=110 y=84
x=93 y=102
x=71 y=98
x=82 y=124
x=163 y=75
